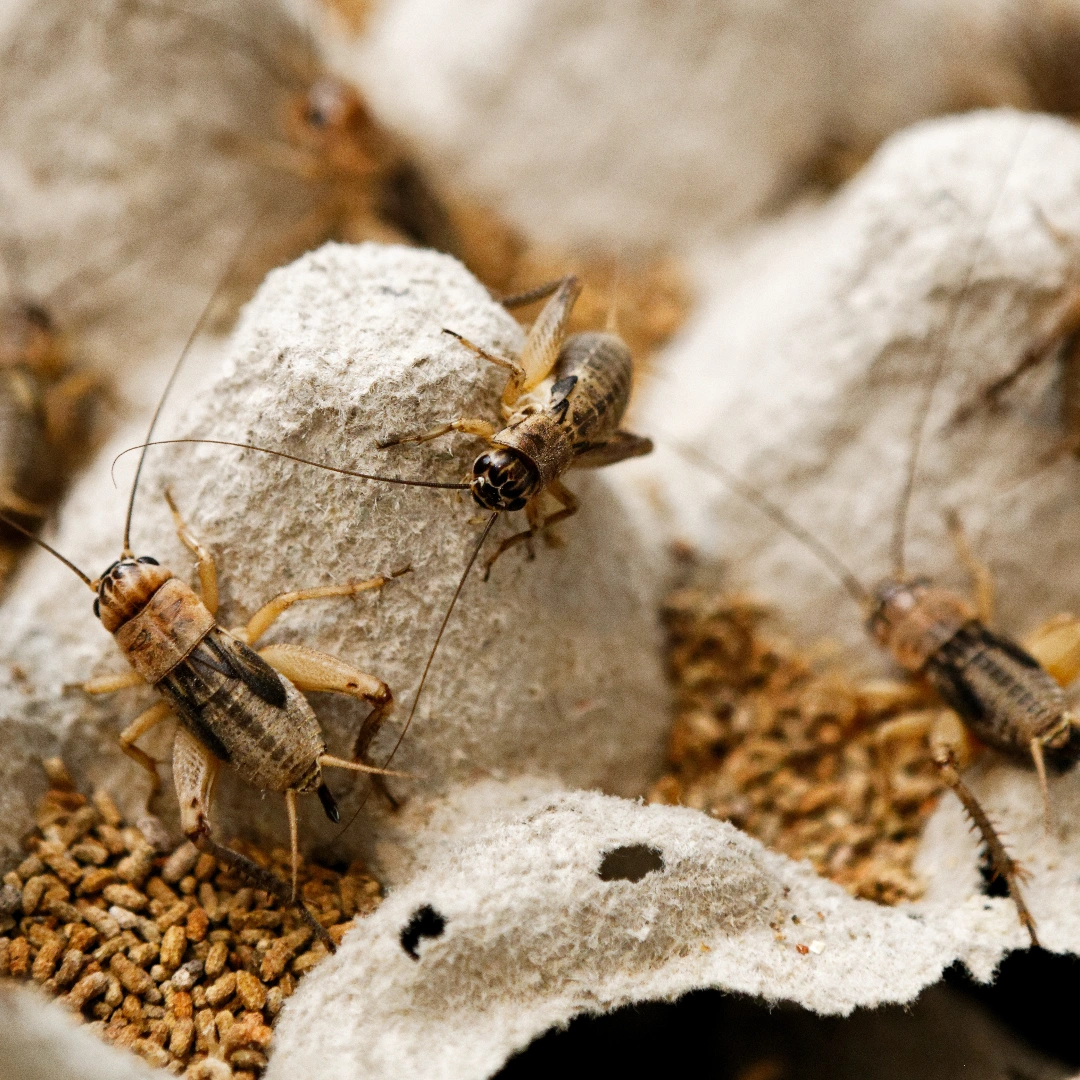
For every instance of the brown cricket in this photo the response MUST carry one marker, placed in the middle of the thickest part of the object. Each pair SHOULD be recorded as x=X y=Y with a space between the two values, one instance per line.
x=1006 y=696
x=563 y=405
x=45 y=410
x=232 y=705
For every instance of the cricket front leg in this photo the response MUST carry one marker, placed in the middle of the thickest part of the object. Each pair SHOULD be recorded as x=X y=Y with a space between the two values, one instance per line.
x=194 y=772
x=205 y=561
x=480 y=428
x=273 y=609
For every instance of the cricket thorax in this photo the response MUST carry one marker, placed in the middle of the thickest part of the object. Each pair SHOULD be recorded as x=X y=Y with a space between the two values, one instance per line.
x=913 y=620
x=504 y=479
x=126 y=588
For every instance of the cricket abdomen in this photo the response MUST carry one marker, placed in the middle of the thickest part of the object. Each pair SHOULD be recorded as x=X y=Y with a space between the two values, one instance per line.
x=592 y=386
x=246 y=714
x=1002 y=693
x=585 y=401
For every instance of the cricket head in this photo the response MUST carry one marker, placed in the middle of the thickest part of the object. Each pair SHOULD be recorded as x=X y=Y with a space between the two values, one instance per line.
x=503 y=479
x=331 y=120
x=126 y=588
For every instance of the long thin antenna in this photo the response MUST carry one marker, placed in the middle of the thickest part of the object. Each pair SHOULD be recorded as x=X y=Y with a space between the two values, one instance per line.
x=922 y=413
x=294 y=457
x=51 y=550
x=195 y=331
x=431 y=656
x=858 y=592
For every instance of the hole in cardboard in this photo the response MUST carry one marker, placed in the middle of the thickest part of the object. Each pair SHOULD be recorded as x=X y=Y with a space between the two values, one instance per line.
x=991 y=884
x=630 y=863
x=426 y=922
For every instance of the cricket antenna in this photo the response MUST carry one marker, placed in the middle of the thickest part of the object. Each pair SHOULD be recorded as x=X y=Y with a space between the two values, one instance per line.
x=195 y=331
x=48 y=547
x=855 y=588
x=301 y=460
x=922 y=413
x=431 y=656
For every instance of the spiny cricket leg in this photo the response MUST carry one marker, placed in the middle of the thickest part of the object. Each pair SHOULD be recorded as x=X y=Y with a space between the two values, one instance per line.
x=204 y=560
x=313 y=671
x=981 y=577
x=139 y=727
x=1000 y=861
x=273 y=609
x=481 y=428
x=194 y=772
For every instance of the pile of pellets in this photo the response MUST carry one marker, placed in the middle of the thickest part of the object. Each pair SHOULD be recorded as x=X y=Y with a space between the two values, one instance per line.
x=169 y=954
x=814 y=765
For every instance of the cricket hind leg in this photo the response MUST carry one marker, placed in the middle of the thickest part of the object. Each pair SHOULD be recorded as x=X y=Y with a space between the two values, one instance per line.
x=538 y=523
x=315 y=672
x=1001 y=863
x=194 y=772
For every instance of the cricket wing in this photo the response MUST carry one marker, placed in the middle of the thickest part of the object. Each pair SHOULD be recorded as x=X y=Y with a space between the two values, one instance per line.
x=615 y=448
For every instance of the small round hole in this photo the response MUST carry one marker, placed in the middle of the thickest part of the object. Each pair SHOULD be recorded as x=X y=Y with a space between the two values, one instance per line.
x=630 y=863
x=426 y=922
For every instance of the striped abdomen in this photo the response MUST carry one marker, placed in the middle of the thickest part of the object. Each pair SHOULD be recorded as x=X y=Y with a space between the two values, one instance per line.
x=592 y=387
x=1001 y=692
x=246 y=714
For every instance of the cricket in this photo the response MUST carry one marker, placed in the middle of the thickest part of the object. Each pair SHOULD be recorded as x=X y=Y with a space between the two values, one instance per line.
x=563 y=405
x=232 y=705
x=46 y=402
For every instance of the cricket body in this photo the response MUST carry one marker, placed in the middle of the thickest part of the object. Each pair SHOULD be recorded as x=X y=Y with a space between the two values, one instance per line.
x=43 y=423
x=1001 y=692
x=563 y=404
x=233 y=705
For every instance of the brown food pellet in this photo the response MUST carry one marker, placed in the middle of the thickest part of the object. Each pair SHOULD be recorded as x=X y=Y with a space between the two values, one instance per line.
x=45 y=961
x=198 y=923
x=182 y=1036
x=173 y=944
x=88 y=987
x=131 y=977
x=222 y=989
x=250 y=991
x=19 y=957
x=215 y=960
x=73 y=962
x=113 y=922
x=815 y=765
x=125 y=896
